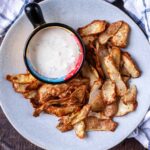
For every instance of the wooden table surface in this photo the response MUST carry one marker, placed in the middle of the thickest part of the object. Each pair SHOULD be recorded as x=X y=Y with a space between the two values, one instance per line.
x=10 y=139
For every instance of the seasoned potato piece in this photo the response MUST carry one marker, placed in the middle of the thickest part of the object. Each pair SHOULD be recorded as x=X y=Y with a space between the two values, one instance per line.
x=116 y=55
x=67 y=119
x=96 y=101
x=103 y=52
x=124 y=72
x=31 y=94
x=121 y=37
x=21 y=78
x=76 y=98
x=49 y=90
x=90 y=72
x=95 y=124
x=111 y=110
x=99 y=115
x=61 y=111
x=99 y=92
x=125 y=79
x=95 y=27
x=115 y=76
x=82 y=114
x=95 y=98
x=124 y=109
x=108 y=92
x=79 y=94
x=34 y=102
x=35 y=85
x=75 y=117
x=20 y=88
x=80 y=129
x=64 y=127
x=88 y=39
x=130 y=65
x=110 y=31
x=130 y=96
x=95 y=48
x=96 y=86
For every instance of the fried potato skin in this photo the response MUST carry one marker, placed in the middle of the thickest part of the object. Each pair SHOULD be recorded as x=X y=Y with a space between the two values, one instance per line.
x=109 y=92
x=130 y=65
x=80 y=129
x=111 y=110
x=21 y=78
x=115 y=76
x=95 y=124
x=62 y=111
x=110 y=31
x=89 y=39
x=120 y=39
x=82 y=114
x=116 y=55
x=130 y=96
x=124 y=109
x=99 y=92
x=90 y=72
x=95 y=27
x=95 y=97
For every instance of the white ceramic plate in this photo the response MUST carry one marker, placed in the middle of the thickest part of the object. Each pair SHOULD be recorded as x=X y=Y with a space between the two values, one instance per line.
x=41 y=130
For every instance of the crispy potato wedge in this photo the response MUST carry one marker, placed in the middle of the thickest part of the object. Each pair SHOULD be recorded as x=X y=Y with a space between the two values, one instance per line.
x=108 y=92
x=98 y=93
x=75 y=117
x=95 y=97
x=125 y=79
x=116 y=55
x=80 y=129
x=130 y=96
x=95 y=27
x=99 y=115
x=31 y=94
x=47 y=91
x=79 y=94
x=73 y=85
x=124 y=72
x=95 y=124
x=90 y=72
x=95 y=48
x=103 y=52
x=82 y=114
x=21 y=78
x=110 y=31
x=124 y=109
x=64 y=127
x=111 y=110
x=96 y=101
x=34 y=102
x=76 y=98
x=20 y=88
x=115 y=76
x=61 y=111
x=130 y=65
x=89 y=39
x=120 y=39
x=35 y=85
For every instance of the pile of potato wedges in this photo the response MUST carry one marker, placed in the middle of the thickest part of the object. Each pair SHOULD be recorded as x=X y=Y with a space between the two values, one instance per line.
x=100 y=92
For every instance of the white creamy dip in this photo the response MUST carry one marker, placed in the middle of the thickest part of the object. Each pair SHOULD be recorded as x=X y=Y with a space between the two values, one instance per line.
x=53 y=52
